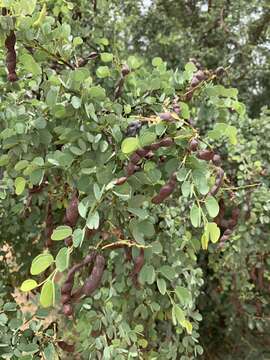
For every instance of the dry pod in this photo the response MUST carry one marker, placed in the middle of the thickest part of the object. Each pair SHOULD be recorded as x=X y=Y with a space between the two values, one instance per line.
x=94 y=280
x=200 y=75
x=72 y=212
x=216 y=160
x=138 y=264
x=205 y=155
x=125 y=70
x=166 y=116
x=121 y=180
x=11 y=56
x=66 y=347
x=67 y=309
x=193 y=145
x=194 y=82
x=166 y=142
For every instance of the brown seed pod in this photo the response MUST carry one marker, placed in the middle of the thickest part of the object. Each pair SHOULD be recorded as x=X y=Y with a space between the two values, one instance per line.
x=138 y=264
x=121 y=180
x=65 y=298
x=66 y=288
x=11 y=56
x=218 y=183
x=166 y=116
x=216 y=160
x=125 y=70
x=193 y=145
x=66 y=347
x=166 y=142
x=200 y=75
x=49 y=226
x=72 y=212
x=94 y=280
x=155 y=146
x=205 y=155
x=135 y=158
x=67 y=309
x=194 y=82
x=69 y=241
x=130 y=169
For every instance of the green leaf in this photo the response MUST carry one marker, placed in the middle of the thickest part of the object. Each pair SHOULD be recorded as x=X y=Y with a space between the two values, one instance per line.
x=157 y=61
x=50 y=353
x=76 y=102
x=61 y=232
x=195 y=216
x=93 y=220
x=103 y=72
x=184 y=110
x=186 y=188
x=134 y=62
x=47 y=294
x=178 y=313
x=183 y=295
x=20 y=183
x=187 y=325
x=147 y=138
x=130 y=144
x=147 y=274
x=78 y=236
x=168 y=272
x=62 y=259
x=161 y=284
x=106 y=57
x=204 y=241
x=212 y=206
x=28 y=285
x=41 y=263
x=214 y=232
x=29 y=64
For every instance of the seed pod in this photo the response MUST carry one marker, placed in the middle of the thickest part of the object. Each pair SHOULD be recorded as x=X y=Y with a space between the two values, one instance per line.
x=49 y=226
x=205 y=155
x=66 y=288
x=227 y=232
x=66 y=347
x=149 y=155
x=121 y=180
x=142 y=152
x=125 y=70
x=166 y=116
x=67 y=309
x=216 y=160
x=155 y=146
x=177 y=109
x=11 y=56
x=130 y=169
x=95 y=277
x=164 y=192
x=90 y=258
x=138 y=264
x=193 y=145
x=194 y=82
x=135 y=158
x=189 y=95
x=69 y=241
x=166 y=142
x=72 y=212
x=200 y=75
x=65 y=298
x=218 y=182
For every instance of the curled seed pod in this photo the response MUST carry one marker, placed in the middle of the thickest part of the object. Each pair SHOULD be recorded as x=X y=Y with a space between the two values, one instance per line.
x=142 y=152
x=216 y=160
x=166 y=142
x=135 y=158
x=193 y=145
x=67 y=309
x=125 y=70
x=200 y=75
x=72 y=212
x=65 y=298
x=94 y=280
x=138 y=264
x=166 y=116
x=155 y=146
x=205 y=155
x=218 y=182
x=90 y=258
x=66 y=288
x=121 y=180
x=11 y=56
x=130 y=169
x=194 y=82
x=66 y=347
x=164 y=192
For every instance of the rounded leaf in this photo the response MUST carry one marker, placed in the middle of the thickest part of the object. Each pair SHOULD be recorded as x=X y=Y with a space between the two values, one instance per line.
x=129 y=145
x=62 y=259
x=19 y=185
x=28 y=285
x=47 y=294
x=212 y=206
x=61 y=232
x=41 y=263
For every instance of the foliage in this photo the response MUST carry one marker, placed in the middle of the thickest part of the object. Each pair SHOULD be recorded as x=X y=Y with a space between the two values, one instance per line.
x=112 y=183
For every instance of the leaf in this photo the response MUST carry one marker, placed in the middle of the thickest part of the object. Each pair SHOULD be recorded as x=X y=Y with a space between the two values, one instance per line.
x=195 y=215
x=103 y=71
x=183 y=295
x=161 y=284
x=204 y=241
x=178 y=313
x=106 y=57
x=129 y=145
x=187 y=325
x=78 y=236
x=50 y=353
x=93 y=220
x=20 y=183
x=62 y=259
x=212 y=206
x=61 y=232
x=147 y=274
x=168 y=272
x=157 y=61
x=186 y=188
x=41 y=263
x=214 y=232
x=76 y=102
x=30 y=65
x=47 y=294
x=184 y=110
x=147 y=138
x=28 y=285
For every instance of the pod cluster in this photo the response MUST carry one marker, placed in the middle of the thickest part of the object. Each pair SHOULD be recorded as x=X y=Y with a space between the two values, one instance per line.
x=90 y=284
x=11 y=56
x=197 y=78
